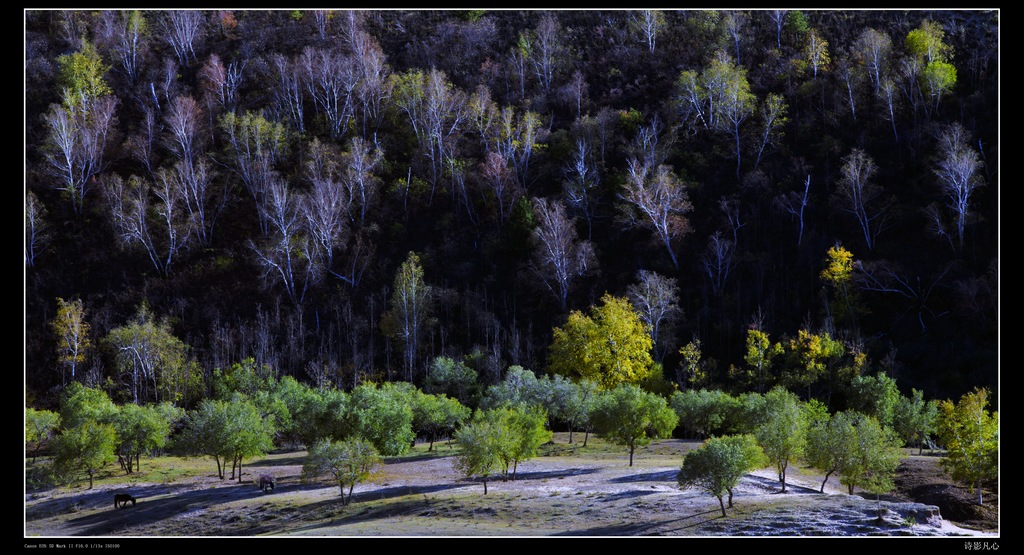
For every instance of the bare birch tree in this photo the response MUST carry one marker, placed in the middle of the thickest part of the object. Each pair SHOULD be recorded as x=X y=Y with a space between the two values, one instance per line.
x=958 y=176
x=181 y=30
x=656 y=298
x=656 y=199
x=860 y=197
x=36 y=232
x=287 y=253
x=560 y=256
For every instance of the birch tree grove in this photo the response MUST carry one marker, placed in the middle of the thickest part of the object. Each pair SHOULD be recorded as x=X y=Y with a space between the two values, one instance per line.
x=254 y=146
x=152 y=216
x=181 y=30
x=353 y=196
x=77 y=145
x=331 y=79
x=287 y=254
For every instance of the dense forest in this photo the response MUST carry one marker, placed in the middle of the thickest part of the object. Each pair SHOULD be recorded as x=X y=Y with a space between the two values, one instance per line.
x=345 y=197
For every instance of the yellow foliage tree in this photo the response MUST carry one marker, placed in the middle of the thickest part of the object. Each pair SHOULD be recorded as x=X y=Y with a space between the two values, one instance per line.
x=838 y=273
x=610 y=346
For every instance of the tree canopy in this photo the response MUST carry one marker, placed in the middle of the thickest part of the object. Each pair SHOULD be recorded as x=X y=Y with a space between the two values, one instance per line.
x=611 y=346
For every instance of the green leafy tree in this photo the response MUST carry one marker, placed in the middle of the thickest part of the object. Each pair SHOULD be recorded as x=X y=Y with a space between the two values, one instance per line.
x=718 y=465
x=926 y=45
x=811 y=358
x=347 y=462
x=875 y=396
x=915 y=419
x=570 y=402
x=704 y=412
x=692 y=372
x=612 y=346
x=527 y=427
x=327 y=415
x=926 y=42
x=72 y=332
x=84 y=448
x=228 y=431
x=81 y=404
x=873 y=454
x=829 y=443
x=140 y=429
x=245 y=377
x=519 y=387
x=40 y=427
x=782 y=430
x=452 y=378
x=250 y=433
x=383 y=416
x=87 y=438
x=437 y=414
x=480 y=447
x=749 y=414
x=760 y=354
x=307 y=409
x=630 y=416
x=970 y=434
x=80 y=76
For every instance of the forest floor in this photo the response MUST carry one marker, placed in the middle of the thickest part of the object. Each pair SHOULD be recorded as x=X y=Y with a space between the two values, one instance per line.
x=567 y=491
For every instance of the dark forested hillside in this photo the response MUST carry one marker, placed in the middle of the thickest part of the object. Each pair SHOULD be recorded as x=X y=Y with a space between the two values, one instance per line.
x=346 y=196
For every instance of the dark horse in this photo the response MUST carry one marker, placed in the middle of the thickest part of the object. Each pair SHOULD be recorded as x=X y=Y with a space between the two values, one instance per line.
x=122 y=499
x=266 y=483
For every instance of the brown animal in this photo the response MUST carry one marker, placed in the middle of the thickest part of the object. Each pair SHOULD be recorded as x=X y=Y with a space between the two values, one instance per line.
x=266 y=483
x=122 y=500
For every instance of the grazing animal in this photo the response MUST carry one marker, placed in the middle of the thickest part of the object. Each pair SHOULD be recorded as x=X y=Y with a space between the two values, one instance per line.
x=122 y=499
x=266 y=483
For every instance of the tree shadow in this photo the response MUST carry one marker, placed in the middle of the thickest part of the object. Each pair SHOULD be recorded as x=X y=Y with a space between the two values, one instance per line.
x=663 y=476
x=293 y=460
x=631 y=494
x=416 y=458
x=154 y=503
x=769 y=483
x=633 y=529
x=551 y=474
